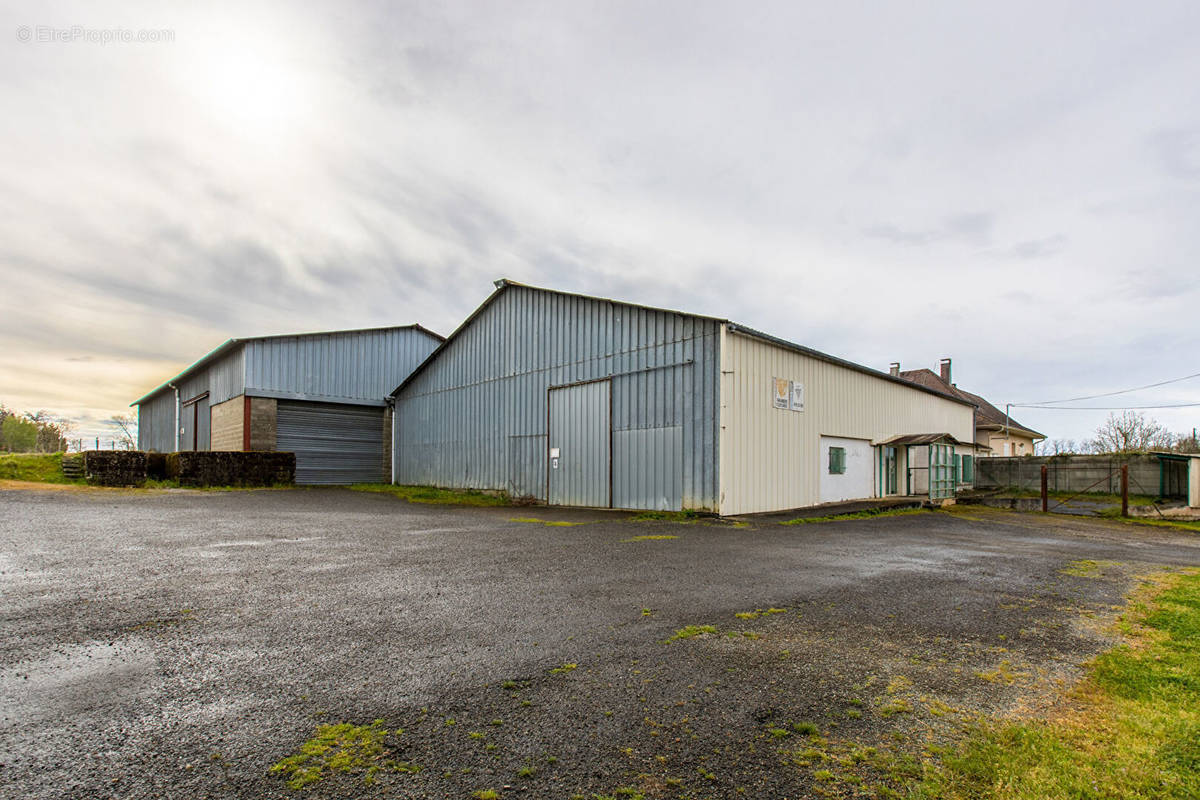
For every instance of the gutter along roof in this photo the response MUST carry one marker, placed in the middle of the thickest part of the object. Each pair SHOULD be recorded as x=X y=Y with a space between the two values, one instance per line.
x=230 y=344
x=504 y=284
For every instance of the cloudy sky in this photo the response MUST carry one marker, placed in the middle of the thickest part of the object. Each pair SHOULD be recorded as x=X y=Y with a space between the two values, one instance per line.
x=1014 y=185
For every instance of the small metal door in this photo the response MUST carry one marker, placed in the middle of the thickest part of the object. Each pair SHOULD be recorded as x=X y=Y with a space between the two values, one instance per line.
x=580 y=445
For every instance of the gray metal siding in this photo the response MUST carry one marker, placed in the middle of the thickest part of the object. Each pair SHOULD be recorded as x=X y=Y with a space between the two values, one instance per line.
x=581 y=434
x=353 y=366
x=226 y=378
x=471 y=418
x=334 y=444
x=156 y=423
x=648 y=468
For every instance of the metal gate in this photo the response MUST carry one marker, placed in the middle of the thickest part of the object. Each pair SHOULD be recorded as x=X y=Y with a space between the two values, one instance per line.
x=580 y=446
x=334 y=444
x=941 y=472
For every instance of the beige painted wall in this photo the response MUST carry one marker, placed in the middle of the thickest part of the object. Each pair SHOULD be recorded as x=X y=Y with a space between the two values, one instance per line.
x=770 y=457
x=1021 y=445
x=227 y=422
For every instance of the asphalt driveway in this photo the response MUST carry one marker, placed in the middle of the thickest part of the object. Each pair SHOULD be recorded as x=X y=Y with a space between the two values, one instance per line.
x=179 y=644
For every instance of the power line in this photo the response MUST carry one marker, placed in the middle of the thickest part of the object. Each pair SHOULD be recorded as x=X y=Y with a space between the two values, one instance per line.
x=1103 y=408
x=1042 y=403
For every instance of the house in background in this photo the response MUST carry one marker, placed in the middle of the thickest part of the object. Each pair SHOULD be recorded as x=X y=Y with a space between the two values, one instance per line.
x=321 y=396
x=583 y=401
x=1003 y=435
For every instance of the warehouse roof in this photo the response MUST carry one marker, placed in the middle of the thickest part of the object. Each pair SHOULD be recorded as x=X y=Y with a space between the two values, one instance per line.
x=504 y=284
x=230 y=344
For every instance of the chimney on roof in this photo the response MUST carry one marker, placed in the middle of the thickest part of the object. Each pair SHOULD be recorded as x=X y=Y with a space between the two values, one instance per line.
x=945 y=368
x=894 y=369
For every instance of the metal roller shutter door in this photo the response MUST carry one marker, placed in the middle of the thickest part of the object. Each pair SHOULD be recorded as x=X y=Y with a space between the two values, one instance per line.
x=334 y=444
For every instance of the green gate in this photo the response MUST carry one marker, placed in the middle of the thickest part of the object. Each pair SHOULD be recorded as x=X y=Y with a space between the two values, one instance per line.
x=941 y=471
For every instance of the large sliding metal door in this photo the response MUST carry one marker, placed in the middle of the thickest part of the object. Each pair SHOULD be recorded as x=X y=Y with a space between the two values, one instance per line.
x=334 y=444
x=580 y=457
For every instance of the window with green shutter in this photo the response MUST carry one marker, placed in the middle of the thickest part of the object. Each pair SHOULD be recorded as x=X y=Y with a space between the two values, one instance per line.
x=968 y=469
x=957 y=468
x=837 y=460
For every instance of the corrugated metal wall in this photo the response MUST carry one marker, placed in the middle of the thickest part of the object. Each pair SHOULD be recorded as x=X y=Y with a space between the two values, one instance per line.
x=770 y=458
x=222 y=379
x=476 y=417
x=354 y=366
x=156 y=423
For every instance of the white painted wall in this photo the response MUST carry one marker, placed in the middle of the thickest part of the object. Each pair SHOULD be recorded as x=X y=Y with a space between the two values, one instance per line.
x=769 y=456
x=858 y=481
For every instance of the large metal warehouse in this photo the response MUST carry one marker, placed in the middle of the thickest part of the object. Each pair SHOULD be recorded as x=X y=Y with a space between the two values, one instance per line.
x=583 y=401
x=319 y=395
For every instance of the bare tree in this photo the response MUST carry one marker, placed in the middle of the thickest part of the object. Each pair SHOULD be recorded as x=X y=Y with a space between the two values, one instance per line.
x=1130 y=432
x=1058 y=447
x=126 y=430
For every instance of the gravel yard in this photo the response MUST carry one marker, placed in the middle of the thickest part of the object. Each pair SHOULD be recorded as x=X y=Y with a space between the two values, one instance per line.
x=180 y=644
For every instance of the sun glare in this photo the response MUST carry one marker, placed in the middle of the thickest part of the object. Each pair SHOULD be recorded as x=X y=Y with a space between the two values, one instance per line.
x=251 y=87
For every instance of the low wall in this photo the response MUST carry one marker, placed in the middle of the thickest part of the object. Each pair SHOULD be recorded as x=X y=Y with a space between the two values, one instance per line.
x=114 y=467
x=1101 y=474
x=231 y=468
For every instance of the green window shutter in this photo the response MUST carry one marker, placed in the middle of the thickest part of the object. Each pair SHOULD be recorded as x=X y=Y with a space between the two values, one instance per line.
x=968 y=469
x=837 y=460
x=957 y=468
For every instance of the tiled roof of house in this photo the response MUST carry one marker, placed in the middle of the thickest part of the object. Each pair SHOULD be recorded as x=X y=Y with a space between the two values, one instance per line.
x=986 y=414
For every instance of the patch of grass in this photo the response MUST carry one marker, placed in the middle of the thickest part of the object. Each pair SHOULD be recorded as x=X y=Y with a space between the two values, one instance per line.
x=779 y=733
x=565 y=668
x=1178 y=525
x=434 y=495
x=805 y=728
x=341 y=748
x=1133 y=730
x=34 y=467
x=692 y=630
x=668 y=516
x=897 y=705
x=658 y=537
x=747 y=614
x=1086 y=568
x=486 y=794
x=551 y=523
x=870 y=513
x=1003 y=673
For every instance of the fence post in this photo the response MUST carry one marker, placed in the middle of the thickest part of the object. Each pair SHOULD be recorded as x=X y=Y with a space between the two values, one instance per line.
x=1045 y=493
x=1124 y=490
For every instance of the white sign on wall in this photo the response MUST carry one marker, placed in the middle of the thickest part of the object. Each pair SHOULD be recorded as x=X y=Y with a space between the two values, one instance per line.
x=797 y=396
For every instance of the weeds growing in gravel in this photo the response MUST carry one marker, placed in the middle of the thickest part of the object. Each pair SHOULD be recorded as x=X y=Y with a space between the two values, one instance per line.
x=434 y=495
x=870 y=513
x=692 y=630
x=341 y=748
